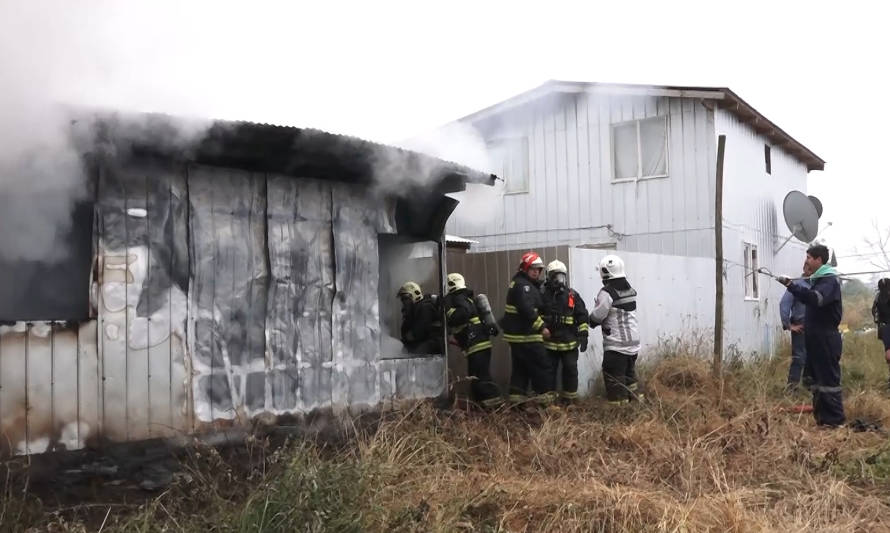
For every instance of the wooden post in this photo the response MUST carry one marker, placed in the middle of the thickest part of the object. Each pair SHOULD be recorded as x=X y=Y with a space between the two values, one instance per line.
x=718 y=260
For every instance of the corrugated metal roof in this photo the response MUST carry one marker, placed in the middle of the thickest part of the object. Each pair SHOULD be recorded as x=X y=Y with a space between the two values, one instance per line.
x=721 y=97
x=459 y=240
x=287 y=150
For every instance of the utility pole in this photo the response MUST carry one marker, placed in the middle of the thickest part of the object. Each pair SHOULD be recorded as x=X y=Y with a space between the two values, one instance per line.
x=718 y=260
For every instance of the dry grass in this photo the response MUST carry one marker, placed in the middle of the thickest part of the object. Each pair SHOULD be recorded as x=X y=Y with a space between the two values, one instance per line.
x=699 y=455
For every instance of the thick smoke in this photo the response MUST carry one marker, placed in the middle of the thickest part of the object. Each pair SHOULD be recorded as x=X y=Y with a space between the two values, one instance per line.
x=462 y=144
x=58 y=61
x=41 y=176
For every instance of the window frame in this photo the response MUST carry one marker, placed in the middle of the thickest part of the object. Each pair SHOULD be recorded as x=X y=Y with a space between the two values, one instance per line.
x=751 y=262
x=502 y=146
x=639 y=177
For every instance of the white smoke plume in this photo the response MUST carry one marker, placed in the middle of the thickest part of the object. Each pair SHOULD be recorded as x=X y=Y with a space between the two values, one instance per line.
x=462 y=144
x=57 y=60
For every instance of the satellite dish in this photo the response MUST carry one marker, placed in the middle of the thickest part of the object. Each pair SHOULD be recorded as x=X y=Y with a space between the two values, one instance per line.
x=801 y=216
x=818 y=204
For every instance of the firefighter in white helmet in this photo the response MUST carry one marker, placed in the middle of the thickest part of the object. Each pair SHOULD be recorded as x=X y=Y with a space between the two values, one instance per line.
x=525 y=331
x=616 y=311
x=421 y=321
x=566 y=318
x=467 y=325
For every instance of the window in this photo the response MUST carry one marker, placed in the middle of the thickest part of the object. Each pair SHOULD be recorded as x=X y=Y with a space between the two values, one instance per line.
x=511 y=162
x=639 y=149
x=766 y=159
x=752 y=288
x=45 y=286
x=401 y=260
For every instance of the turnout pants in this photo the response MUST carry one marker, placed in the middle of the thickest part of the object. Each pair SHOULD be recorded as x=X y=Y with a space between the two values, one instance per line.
x=484 y=389
x=531 y=365
x=824 y=365
x=569 y=361
x=620 y=376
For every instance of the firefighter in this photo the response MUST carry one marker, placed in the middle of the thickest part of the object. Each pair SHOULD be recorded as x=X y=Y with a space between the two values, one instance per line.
x=823 y=340
x=616 y=311
x=421 y=321
x=566 y=317
x=524 y=331
x=473 y=336
x=880 y=309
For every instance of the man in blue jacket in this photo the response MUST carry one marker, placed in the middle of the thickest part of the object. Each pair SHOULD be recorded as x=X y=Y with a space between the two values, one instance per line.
x=824 y=309
x=792 y=312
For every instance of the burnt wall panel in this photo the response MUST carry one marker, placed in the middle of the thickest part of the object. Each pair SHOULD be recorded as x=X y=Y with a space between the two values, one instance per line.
x=38 y=347
x=229 y=288
x=116 y=280
x=89 y=384
x=301 y=292
x=63 y=348
x=356 y=322
x=143 y=265
x=136 y=328
x=13 y=389
x=411 y=378
x=161 y=312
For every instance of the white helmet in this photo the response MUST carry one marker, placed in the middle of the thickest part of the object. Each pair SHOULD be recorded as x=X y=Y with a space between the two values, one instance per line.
x=557 y=266
x=611 y=267
x=455 y=282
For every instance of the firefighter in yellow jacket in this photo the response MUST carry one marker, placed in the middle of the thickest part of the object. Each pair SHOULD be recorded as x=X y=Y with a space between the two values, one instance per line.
x=566 y=318
x=525 y=332
x=473 y=336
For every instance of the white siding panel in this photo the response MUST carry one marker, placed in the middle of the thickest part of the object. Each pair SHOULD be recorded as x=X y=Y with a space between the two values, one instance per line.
x=586 y=205
x=571 y=189
x=753 y=213
x=573 y=180
x=687 y=315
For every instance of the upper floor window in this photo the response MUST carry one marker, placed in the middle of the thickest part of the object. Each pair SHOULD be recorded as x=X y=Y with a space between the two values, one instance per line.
x=511 y=162
x=639 y=149
x=767 y=159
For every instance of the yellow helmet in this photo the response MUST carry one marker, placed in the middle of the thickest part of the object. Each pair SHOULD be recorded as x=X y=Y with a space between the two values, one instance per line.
x=455 y=282
x=412 y=290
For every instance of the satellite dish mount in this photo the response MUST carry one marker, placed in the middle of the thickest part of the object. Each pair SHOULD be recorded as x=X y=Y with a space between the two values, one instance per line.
x=802 y=214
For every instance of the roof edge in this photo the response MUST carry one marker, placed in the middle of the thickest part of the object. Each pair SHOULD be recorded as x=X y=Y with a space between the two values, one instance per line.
x=721 y=97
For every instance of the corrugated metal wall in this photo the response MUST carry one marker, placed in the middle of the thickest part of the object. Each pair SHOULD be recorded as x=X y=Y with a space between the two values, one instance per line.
x=571 y=196
x=753 y=214
x=685 y=317
x=220 y=296
x=490 y=274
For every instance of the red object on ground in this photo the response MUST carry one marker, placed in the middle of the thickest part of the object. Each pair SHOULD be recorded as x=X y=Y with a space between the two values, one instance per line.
x=804 y=408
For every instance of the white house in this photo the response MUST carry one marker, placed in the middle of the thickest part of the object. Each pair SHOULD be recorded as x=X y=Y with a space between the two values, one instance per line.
x=596 y=167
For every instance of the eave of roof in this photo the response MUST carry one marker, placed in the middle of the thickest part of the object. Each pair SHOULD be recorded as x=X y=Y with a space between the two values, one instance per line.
x=278 y=149
x=721 y=97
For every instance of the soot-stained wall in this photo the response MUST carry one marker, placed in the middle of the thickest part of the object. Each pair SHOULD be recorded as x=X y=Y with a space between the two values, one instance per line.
x=219 y=296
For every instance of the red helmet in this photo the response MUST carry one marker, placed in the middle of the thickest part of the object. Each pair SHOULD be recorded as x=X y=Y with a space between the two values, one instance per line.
x=529 y=260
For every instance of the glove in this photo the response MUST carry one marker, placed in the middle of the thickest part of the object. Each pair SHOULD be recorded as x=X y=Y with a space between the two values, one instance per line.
x=607 y=331
x=784 y=280
x=493 y=331
x=582 y=345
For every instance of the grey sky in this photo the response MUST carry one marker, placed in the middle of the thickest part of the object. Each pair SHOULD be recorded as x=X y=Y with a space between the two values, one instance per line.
x=389 y=70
